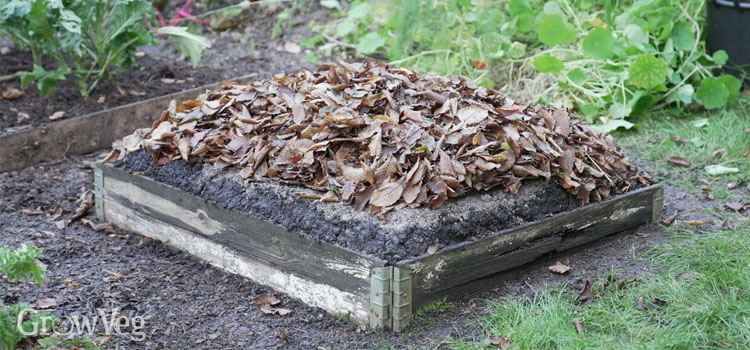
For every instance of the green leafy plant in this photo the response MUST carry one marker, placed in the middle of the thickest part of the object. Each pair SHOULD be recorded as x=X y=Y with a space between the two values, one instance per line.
x=20 y=264
x=608 y=59
x=86 y=38
x=32 y=325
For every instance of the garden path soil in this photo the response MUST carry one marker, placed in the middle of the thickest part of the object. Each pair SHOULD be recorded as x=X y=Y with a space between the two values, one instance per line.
x=233 y=53
x=195 y=306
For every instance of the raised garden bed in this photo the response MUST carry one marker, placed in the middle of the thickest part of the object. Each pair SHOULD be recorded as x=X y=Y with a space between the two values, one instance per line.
x=370 y=286
x=87 y=133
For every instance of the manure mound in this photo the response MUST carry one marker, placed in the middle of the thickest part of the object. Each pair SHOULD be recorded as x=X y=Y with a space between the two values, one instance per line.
x=385 y=137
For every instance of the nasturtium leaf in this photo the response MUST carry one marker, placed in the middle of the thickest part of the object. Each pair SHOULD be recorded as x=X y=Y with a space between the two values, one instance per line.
x=360 y=10
x=619 y=110
x=599 y=44
x=517 y=50
x=614 y=125
x=525 y=22
x=369 y=43
x=720 y=57
x=589 y=110
x=683 y=37
x=517 y=7
x=720 y=170
x=345 y=27
x=636 y=36
x=553 y=30
x=683 y=94
x=577 y=76
x=700 y=123
x=712 y=93
x=733 y=85
x=311 y=42
x=330 y=4
x=647 y=72
x=548 y=64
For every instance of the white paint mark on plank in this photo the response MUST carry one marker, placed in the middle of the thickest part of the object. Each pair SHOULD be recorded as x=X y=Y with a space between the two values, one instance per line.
x=329 y=298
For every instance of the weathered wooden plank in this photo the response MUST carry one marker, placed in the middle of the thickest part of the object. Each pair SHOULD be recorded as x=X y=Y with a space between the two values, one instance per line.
x=315 y=293
x=250 y=237
x=432 y=276
x=87 y=133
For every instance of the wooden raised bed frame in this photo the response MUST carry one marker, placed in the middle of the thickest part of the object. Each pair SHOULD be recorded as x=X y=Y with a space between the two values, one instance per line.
x=90 y=132
x=365 y=289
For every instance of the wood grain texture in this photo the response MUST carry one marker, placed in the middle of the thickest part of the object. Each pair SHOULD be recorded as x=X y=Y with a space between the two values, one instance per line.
x=88 y=133
x=323 y=295
x=256 y=239
x=456 y=267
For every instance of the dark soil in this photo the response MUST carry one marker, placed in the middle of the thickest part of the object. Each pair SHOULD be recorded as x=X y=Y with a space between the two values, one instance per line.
x=406 y=232
x=194 y=306
x=233 y=53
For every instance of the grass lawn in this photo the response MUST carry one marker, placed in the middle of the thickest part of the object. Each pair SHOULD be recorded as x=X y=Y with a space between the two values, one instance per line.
x=698 y=294
x=704 y=284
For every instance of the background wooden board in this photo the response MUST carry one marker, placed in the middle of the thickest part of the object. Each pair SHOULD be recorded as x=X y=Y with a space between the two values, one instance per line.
x=90 y=132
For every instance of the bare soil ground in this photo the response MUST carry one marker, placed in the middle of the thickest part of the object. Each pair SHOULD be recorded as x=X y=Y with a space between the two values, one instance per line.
x=193 y=305
x=233 y=53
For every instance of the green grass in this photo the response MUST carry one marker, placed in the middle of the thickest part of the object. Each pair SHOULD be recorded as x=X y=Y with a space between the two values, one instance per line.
x=724 y=129
x=424 y=317
x=703 y=278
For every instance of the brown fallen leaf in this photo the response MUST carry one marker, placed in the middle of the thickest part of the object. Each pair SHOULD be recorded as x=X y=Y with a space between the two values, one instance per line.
x=580 y=327
x=114 y=276
x=678 y=139
x=640 y=306
x=657 y=303
x=268 y=310
x=747 y=154
x=57 y=115
x=736 y=206
x=283 y=337
x=44 y=304
x=167 y=81
x=101 y=99
x=292 y=47
x=266 y=299
x=86 y=202
x=72 y=283
x=670 y=220
x=142 y=241
x=60 y=224
x=559 y=268
x=719 y=153
x=641 y=234
x=30 y=212
x=56 y=212
x=434 y=248
x=499 y=341
x=21 y=116
x=121 y=91
x=585 y=293
x=11 y=93
x=679 y=161
x=695 y=222
x=106 y=227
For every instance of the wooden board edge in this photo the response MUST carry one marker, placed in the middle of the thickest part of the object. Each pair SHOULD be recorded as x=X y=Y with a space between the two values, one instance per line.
x=115 y=173
x=647 y=201
x=90 y=132
x=333 y=300
x=654 y=188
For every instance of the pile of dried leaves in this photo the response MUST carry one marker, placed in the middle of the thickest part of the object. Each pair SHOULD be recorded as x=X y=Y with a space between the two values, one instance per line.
x=387 y=137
